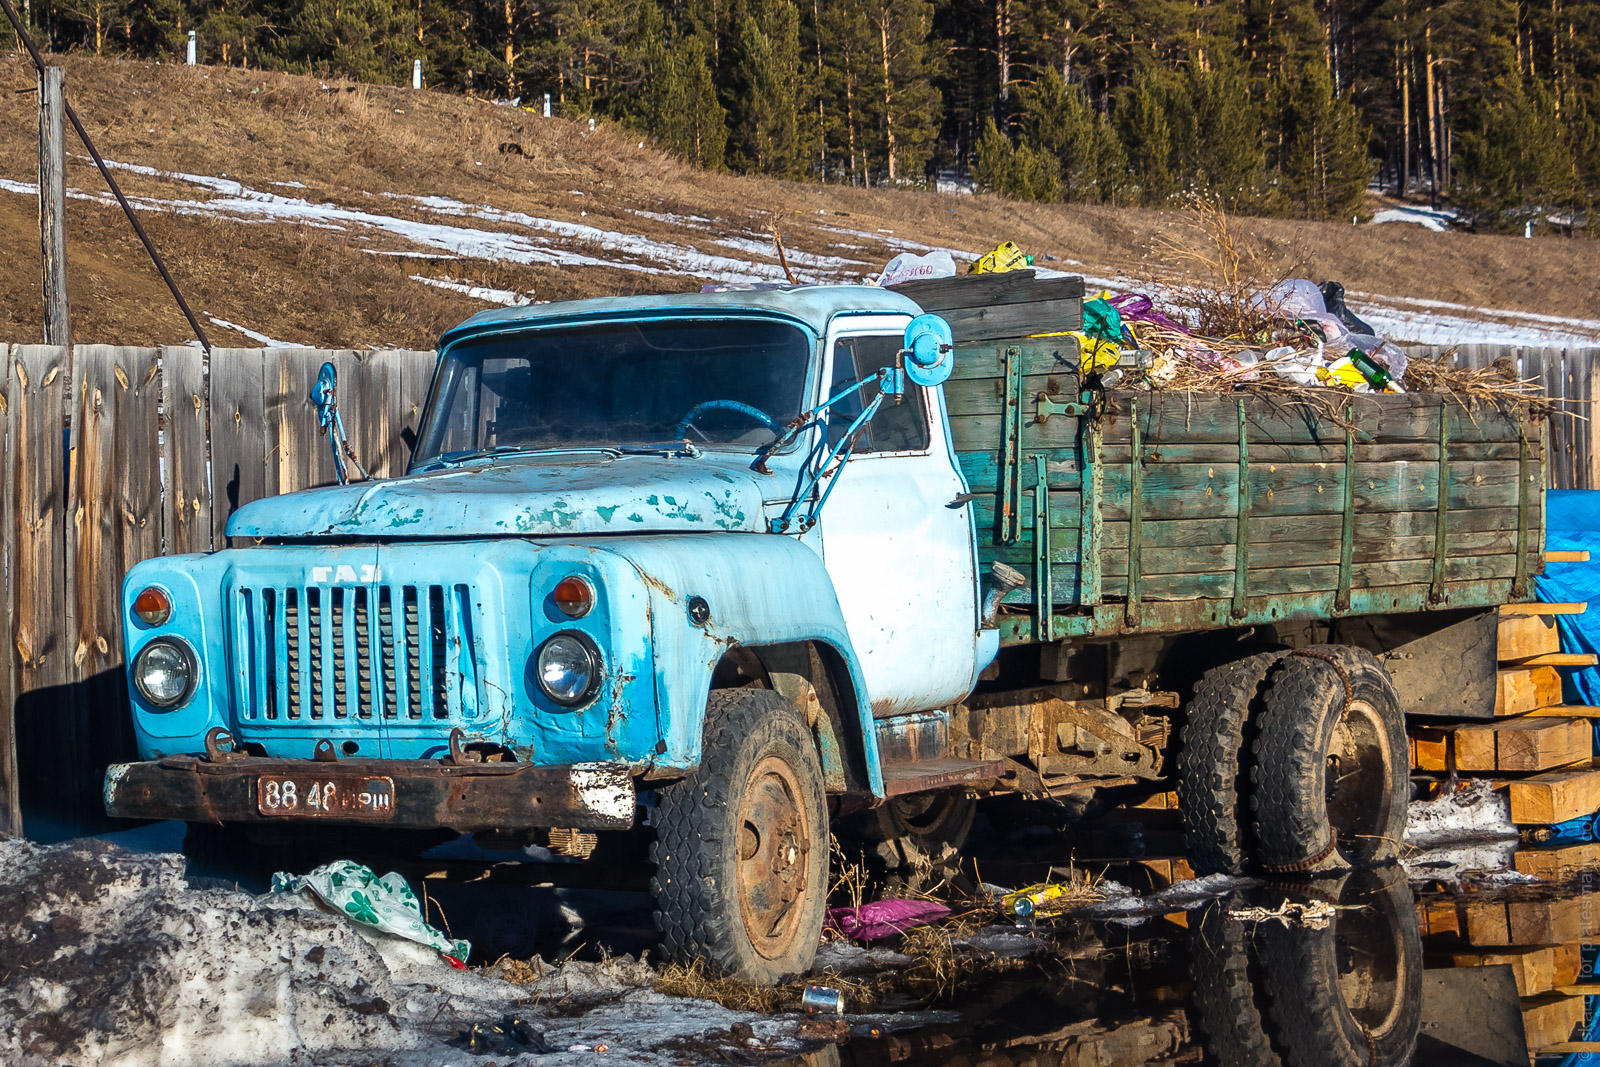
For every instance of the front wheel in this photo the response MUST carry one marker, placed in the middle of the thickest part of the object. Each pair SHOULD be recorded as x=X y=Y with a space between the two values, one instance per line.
x=741 y=849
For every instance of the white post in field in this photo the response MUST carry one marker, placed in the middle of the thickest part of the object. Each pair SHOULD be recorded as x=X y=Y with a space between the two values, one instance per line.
x=416 y=74
x=191 y=48
x=546 y=105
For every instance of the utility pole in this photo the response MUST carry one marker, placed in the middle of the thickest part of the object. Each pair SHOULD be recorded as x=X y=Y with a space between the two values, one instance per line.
x=52 y=205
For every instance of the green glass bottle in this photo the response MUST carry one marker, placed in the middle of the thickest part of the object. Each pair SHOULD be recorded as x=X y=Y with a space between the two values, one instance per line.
x=1370 y=369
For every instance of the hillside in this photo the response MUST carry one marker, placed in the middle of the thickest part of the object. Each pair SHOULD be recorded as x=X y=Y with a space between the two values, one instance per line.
x=342 y=215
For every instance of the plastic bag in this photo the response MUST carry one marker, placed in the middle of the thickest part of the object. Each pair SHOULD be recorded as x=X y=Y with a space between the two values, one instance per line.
x=385 y=903
x=885 y=918
x=1006 y=256
x=910 y=267
x=1102 y=320
x=1096 y=355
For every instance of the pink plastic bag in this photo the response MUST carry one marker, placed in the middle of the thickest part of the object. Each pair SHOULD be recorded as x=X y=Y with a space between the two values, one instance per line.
x=885 y=918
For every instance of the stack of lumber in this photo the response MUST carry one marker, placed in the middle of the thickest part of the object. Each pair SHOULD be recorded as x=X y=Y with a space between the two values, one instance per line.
x=1539 y=750
x=1540 y=940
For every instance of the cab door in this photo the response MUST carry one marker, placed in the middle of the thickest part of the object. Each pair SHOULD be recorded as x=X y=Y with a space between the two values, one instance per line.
x=901 y=556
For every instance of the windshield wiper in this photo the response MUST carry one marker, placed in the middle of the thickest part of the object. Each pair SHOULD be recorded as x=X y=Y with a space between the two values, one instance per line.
x=670 y=448
x=450 y=459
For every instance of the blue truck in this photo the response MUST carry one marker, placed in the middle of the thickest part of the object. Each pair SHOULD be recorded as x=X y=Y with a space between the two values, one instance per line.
x=732 y=570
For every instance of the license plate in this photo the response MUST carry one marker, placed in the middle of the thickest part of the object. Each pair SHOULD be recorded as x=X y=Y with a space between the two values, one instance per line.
x=314 y=796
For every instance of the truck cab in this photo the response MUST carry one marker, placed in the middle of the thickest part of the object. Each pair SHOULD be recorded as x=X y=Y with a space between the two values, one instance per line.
x=649 y=551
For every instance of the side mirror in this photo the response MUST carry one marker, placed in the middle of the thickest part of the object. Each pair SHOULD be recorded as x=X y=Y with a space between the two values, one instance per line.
x=325 y=392
x=930 y=350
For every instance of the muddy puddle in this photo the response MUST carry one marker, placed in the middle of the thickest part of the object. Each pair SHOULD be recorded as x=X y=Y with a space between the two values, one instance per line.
x=1476 y=951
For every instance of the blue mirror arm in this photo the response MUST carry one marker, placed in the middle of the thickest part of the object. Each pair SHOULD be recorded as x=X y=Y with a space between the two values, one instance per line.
x=813 y=473
x=888 y=381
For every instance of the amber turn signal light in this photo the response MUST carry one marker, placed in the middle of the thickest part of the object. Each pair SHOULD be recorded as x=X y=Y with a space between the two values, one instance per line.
x=574 y=596
x=152 y=606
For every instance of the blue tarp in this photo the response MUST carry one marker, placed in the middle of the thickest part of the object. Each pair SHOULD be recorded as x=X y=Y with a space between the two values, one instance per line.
x=1572 y=521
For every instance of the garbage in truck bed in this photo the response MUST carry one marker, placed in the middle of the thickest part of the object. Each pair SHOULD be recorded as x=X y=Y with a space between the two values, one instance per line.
x=1234 y=326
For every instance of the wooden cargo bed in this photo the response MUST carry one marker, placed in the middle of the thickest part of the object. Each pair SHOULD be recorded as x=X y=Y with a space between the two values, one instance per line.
x=1381 y=503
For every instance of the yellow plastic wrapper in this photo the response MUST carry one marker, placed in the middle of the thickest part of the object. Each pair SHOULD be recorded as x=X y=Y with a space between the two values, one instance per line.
x=1097 y=355
x=1005 y=257
x=1342 y=372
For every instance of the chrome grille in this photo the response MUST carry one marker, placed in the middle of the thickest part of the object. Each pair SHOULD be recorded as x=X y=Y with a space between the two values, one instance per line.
x=317 y=653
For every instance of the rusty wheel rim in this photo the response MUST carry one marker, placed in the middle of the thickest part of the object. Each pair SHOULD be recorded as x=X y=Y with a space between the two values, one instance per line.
x=774 y=837
x=1357 y=778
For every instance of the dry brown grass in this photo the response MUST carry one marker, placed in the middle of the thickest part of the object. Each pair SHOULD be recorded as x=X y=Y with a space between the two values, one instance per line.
x=345 y=141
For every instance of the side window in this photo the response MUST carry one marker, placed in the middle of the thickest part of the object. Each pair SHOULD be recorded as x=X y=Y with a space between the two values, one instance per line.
x=901 y=427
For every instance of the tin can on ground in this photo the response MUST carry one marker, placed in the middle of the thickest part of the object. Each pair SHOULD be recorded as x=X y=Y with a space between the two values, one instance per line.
x=821 y=998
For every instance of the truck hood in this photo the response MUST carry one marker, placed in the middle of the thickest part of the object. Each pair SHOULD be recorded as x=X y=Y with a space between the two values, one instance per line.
x=520 y=497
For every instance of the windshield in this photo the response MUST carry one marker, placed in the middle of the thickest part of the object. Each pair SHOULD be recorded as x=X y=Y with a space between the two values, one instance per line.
x=723 y=384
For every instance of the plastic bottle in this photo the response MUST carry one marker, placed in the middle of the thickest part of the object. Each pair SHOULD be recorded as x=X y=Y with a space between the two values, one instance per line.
x=1025 y=902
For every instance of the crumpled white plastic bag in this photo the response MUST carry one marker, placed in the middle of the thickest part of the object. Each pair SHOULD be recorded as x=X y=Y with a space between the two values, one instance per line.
x=386 y=903
x=910 y=267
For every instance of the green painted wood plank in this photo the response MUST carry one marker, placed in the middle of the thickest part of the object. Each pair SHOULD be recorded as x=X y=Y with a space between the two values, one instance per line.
x=1198 y=491
x=1053 y=355
x=1175 y=616
x=1199 y=559
x=1277 y=581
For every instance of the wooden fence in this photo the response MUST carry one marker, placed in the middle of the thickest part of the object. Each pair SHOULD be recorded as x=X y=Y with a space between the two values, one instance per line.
x=112 y=455
x=1558 y=372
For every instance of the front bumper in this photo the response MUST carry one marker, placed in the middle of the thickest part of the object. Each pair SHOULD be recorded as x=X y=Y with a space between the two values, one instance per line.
x=428 y=794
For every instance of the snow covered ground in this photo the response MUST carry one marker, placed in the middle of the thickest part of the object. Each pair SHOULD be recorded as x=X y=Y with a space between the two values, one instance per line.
x=452 y=229
x=110 y=959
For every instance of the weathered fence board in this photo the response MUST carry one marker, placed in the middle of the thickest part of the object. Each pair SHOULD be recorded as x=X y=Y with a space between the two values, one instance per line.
x=113 y=521
x=238 y=434
x=45 y=731
x=1565 y=373
x=186 y=499
x=10 y=804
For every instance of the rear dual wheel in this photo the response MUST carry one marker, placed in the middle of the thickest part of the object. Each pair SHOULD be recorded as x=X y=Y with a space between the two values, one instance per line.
x=1294 y=762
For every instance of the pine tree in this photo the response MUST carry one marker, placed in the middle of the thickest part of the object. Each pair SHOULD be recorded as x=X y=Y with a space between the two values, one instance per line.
x=764 y=103
x=706 y=125
x=904 y=101
x=1060 y=120
x=356 y=38
x=1324 y=162
x=1514 y=156
x=1229 y=156
x=1148 y=141
x=1015 y=171
x=847 y=42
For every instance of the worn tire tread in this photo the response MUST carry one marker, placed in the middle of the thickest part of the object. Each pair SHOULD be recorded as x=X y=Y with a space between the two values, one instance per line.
x=697 y=915
x=1301 y=970
x=1212 y=766
x=1229 y=1001
x=1289 y=767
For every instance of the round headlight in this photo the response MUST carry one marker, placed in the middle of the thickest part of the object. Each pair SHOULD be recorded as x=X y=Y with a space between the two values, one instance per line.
x=164 y=672
x=568 y=668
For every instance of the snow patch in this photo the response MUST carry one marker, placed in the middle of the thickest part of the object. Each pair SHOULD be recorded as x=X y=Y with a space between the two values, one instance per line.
x=1437 y=221
x=1474 y=812
x=112 y=960
x=263 y=339
x=478 y=292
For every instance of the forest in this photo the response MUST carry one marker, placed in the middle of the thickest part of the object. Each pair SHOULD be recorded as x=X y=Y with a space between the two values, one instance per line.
x=1490 y=108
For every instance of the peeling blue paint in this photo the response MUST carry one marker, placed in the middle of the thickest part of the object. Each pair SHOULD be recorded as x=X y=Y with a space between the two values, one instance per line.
x=531 y=496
